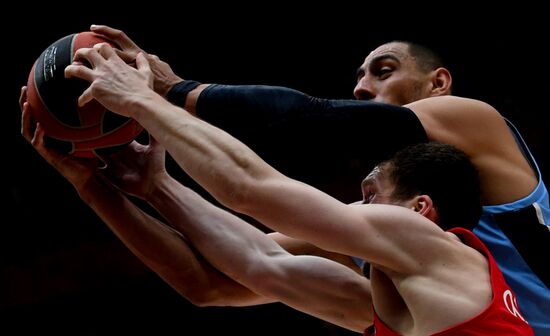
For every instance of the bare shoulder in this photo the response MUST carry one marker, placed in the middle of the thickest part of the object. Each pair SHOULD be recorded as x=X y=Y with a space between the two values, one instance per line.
x=384 y=242
x=452 y=113
x=462 y=122
x=480 y=131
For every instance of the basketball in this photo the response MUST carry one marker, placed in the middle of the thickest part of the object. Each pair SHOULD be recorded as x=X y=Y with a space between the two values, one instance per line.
x=82 y=131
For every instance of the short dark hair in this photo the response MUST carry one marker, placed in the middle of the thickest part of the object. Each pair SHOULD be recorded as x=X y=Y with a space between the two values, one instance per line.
x=426 y=59
x=442 y=172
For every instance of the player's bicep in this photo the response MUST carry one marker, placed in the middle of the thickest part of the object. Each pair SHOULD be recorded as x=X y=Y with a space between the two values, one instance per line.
x=381 y=234
x=303 y=212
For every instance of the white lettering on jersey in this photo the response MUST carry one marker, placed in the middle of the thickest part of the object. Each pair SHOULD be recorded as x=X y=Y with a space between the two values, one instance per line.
x=512 y=304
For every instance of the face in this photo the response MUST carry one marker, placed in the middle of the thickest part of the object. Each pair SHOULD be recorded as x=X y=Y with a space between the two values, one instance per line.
x=389 y=75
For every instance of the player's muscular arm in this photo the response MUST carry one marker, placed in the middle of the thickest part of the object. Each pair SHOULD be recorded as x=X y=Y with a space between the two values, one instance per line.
x=480 y=131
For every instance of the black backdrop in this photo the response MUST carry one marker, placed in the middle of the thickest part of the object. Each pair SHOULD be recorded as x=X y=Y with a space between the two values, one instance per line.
x=63 y=272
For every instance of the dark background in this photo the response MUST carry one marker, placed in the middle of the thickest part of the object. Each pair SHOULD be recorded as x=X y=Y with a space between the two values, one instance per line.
x=63 y=272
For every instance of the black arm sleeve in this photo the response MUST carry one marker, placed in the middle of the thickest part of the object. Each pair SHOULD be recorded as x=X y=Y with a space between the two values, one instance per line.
x=331 y=144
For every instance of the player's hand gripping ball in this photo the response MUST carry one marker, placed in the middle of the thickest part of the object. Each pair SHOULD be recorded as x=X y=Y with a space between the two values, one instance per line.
x=81 y=131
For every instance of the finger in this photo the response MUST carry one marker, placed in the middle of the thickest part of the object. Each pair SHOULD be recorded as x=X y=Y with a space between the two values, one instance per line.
x=79 y=70
x=22 y=97
x=115 y=35
x=126 y=48
x=26 y=122
x=85 y=97
x=55 y=158
x=142 y=63
x=152 y=58
x=106 y=50
x=38 y=136
x=79 y=62
x=90 y=55
x=128 y=57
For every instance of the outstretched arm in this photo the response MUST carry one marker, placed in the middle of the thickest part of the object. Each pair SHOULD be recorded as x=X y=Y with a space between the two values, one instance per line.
x=158 y=246
x=283 y=114
x=319 y=141
x=314 y=285
x=237 y=177
x=140 y=171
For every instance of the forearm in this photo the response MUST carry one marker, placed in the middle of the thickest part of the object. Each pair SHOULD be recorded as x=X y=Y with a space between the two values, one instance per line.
x=254 y=259
x=221 y=164
x=225 y=103
x=318 y=141
x=233 y=173
x=166 y=199
x=226 y=241
x=322 y=142
x=242 y=109
x=164 y=250
x=238 y=178
x=261 y=105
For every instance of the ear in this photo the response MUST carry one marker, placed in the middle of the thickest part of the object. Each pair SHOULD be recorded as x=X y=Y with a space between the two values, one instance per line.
x=424 y=205
x=441 y=82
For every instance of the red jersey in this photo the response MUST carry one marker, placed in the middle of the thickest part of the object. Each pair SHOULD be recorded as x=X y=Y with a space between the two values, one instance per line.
x=501 y=317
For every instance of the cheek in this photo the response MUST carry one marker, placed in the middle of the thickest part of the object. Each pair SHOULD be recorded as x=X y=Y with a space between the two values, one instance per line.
x=401 y=92
x=393 y=92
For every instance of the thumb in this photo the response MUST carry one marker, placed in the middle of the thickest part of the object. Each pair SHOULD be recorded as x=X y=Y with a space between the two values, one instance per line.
x=142 y=63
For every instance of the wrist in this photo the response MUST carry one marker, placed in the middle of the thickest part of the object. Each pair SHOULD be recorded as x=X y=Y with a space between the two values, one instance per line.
x=142 y=106
x=177 y=94
x=159 y=190
x=164 y=87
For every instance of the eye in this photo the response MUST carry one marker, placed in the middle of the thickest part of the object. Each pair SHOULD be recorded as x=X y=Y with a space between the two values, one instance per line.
x=384 y=72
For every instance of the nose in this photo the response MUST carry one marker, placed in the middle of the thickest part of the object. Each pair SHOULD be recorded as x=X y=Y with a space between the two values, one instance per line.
x=363 y=91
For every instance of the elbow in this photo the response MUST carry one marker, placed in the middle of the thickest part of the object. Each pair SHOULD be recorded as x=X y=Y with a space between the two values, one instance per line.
x=219 y=291
x=201 y=297
x=239 y=196
x=206 y=297
x=206 y=290
x=267 y=279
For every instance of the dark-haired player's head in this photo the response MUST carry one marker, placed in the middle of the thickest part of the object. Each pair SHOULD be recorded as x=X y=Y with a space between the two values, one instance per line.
x=429 y=174
x=401 y=72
